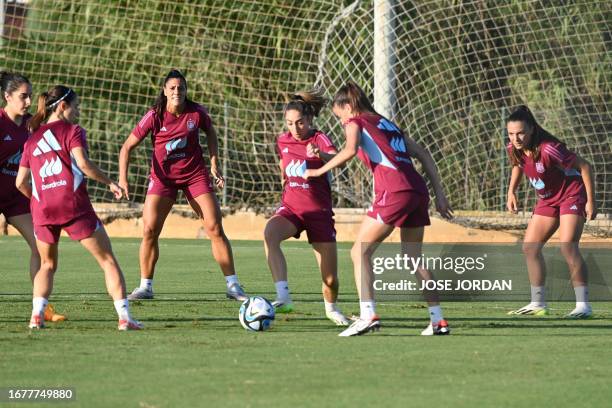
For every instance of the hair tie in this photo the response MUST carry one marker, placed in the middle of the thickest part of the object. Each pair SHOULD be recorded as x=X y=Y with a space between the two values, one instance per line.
x=60 y=99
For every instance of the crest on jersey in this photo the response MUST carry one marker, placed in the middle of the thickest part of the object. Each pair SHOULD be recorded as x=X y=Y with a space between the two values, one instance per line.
x=540 y=167
x=191 y=124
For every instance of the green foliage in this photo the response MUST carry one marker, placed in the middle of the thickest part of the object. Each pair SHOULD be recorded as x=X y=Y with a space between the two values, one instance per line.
x=460 y=66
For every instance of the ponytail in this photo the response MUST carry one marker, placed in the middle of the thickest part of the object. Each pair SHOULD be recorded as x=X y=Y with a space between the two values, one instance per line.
x=523 y=114
x=308 y=103
x=355 y=97
x=48 y=102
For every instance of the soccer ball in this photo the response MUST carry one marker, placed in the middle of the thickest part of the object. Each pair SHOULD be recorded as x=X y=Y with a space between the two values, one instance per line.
x=256 y=314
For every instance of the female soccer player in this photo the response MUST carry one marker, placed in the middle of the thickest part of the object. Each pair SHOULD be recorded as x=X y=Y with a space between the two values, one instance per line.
x=401 y=198
x=177 y=164
x=17 y=92
x=566 y=198
x=56 y=158
x=305 y=206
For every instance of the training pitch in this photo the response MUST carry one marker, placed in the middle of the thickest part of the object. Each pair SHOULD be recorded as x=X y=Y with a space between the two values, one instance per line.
x=193 y=351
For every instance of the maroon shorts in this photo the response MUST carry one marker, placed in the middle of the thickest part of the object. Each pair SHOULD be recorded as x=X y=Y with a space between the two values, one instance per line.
x=196 y=186
x=319 y=225
x=404 y=209
x=79 y=228
x=15 y=204
x=574 y=204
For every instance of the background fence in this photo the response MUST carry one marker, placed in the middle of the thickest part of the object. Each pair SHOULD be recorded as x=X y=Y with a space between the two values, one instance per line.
x=445 y=71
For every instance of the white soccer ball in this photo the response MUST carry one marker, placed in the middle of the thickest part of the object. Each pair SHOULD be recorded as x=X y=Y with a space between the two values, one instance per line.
x=256 y=314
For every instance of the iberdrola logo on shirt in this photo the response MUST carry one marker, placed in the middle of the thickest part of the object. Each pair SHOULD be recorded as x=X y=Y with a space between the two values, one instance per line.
x=537 y=183
x=175 y=144
x=295 y=168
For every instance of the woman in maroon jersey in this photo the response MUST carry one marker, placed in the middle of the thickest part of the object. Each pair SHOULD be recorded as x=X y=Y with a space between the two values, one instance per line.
x=174 y=123
x=17 y=92
x=401 y=198
x=55 y=157
x=566 y=199
x=306 y=205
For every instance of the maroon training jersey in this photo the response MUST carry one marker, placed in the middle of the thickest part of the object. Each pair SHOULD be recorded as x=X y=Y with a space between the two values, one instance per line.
x=553 y=176
x=59 y=188
x=383 y=150
x=177 y=154
x=302 y=195
x=12 y=139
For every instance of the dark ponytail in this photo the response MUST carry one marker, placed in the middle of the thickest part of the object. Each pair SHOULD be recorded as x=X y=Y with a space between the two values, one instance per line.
x=308 y=103
x=160 y=103
x=10 y=82
x=355 y=97
x=523 y=114
x=48 y=102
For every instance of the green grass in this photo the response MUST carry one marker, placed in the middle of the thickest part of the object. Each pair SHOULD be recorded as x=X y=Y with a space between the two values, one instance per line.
x=195 y=353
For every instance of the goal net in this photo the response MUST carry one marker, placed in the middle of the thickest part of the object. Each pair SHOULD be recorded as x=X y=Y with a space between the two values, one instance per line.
x=453 y=71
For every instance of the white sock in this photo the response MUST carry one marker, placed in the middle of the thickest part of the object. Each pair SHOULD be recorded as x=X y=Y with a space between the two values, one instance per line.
x=122 y=307
x=230 y=280
x=582 y=295
x=146 y=284
x=435 y=314
x=367 y=309
x=39 y=304
x=330 y=307
x=282 y=291
x=538 y=296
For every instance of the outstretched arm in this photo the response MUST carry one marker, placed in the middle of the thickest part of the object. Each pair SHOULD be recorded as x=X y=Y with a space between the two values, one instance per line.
x=313 y=150
x=93 y=172
x=347 y=153
x=429 y=166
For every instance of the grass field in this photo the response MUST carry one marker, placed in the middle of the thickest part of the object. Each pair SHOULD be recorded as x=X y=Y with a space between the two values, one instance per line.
x=194 y=353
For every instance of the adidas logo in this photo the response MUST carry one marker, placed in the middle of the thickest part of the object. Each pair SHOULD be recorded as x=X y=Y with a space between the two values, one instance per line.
x=46 y=144
x=573 y=207
x=163 y=129
x=295 y=168
x=286 y=150
x=7 y=138
x=50 y=168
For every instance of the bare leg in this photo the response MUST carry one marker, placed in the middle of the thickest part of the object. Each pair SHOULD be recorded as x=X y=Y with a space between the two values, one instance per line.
x=327 y=258
x=412 y=244
x=371 y=234
x=207 y=208
x=570 y=232
x=99 y=245
x=277 y=230
x=23 y=224
x=539 y=231
x=43 y=279
x=156 y=209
